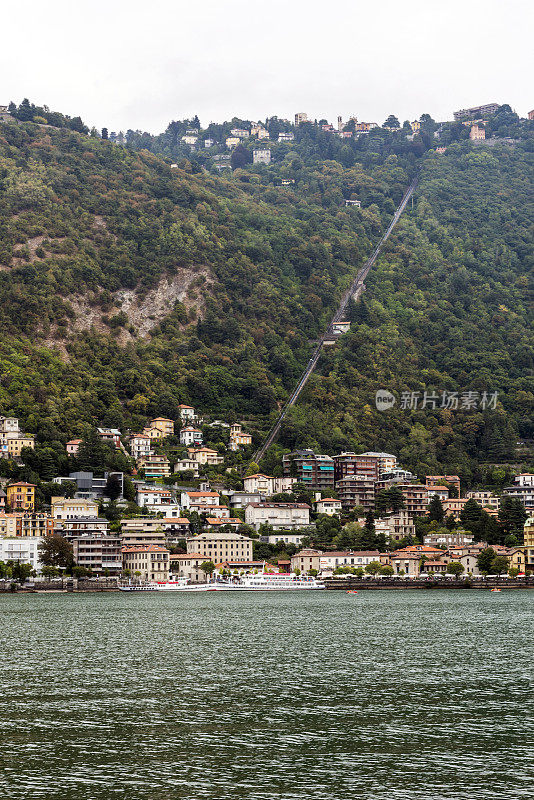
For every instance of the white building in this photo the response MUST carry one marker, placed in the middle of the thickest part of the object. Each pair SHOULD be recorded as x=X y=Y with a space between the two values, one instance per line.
x=140 y=445
x=261 y=156
x=287 y=538
x=154 y=496
x=73 y=508
x=187 y=413
x=278 y=515
x=205 y=455
x=205 y=498
x=190 y=436
x=266 y=485
x=22 y=550
x=187 y=465
x=359 y=558
x=329 y=506
x=286 y=137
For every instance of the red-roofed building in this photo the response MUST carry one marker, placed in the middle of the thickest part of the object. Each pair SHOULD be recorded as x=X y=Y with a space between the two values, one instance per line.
x=187 y=565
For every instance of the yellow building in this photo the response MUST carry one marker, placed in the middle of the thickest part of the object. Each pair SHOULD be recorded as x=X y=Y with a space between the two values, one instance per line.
x=516 y=559
x=8 y=525
x=415 y=126
x=21 y=496
x=15 y=445
x=528 y=534
x=149 y=563
x=159 y=428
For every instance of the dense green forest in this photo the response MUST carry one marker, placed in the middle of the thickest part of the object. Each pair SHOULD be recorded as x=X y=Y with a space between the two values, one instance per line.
x=128 y=286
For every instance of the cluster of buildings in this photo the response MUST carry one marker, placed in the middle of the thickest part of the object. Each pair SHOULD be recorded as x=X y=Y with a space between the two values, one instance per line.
x=414 y=561
x=12 y=439
x=210 y=517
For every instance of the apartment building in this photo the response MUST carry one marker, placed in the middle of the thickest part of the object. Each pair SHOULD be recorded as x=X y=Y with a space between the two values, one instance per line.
x=205 y=456
x=278 y=515
x=148 y=563
x=187 y=413
x=140 y=445
x=415 y=497
x=356 y=490
x=267 y=485
x=347 y=464
x=34 y=524
x=204 y=498
x=73 y=508
x=476 y=112
x=220 y=546
x=81 y=526
x=523 y=490
x=142 y=532
x=452 y=538
x=485 y=499
x=98 y=553
x=433 y=481
x=528 y=538
x=155 y=466
x=20 y=496
x=21 y=550
x=454 y=506
x=314 y=470
x=190 y=436
x=154 y=496
x=15 y=445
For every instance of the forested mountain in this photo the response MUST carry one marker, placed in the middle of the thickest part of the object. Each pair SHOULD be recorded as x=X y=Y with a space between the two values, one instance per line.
x=128 y=286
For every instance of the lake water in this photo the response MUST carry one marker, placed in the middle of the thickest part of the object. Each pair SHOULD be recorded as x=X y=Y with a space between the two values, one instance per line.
x=404 y=695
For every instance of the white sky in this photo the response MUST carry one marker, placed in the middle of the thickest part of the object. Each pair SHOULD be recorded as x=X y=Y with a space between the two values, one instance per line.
x=140 y=64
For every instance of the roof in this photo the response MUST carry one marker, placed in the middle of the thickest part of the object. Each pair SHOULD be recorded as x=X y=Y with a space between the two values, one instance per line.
x=183 y=405
x=328 y=500
x=75 y=441
x=20 y=483
x=223 y=521
x=203 y=494
x=181 y=520
x=184 y=556
x=278 y=505
x=155 y=489
x=190 y=428
x=148 y=548
x=258 y=475
x=345 y=553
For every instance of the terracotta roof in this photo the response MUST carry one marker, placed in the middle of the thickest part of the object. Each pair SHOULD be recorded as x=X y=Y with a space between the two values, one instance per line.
x=203 y=494
x=328 y=500
x=223 y=521
x=184 y=556
x=149 y=548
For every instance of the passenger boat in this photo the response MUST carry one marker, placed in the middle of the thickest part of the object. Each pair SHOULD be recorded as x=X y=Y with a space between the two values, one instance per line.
x=495 y=589
x=177 y=585
x=266 y=582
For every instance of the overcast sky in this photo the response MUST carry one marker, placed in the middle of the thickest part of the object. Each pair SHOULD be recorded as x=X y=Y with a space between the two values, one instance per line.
x=140 y=64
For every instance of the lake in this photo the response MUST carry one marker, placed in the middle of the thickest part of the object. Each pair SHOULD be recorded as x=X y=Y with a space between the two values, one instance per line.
x=397 y=695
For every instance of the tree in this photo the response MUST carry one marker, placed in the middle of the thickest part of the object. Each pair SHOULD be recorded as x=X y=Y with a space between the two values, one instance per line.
x=21 y=572
x=373 y=567
x=455 y=568
x=512 y=515
x=55 y=551
x=370 y=522
x=50 y=572
x=105 y=133
x=240 y=157
x=391 y=122
x=386 y=569
x=499 y=565
x=513 y=572
x=113 y=487
x=470 y=515
x=207 y=567
x=485 y=560
x=396 y=499
x=435 y=509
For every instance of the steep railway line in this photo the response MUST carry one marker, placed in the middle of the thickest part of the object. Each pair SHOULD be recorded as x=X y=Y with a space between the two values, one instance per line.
x=354 y=290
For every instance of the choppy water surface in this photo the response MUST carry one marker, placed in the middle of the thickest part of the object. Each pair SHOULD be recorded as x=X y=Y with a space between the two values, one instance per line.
x=402 y=695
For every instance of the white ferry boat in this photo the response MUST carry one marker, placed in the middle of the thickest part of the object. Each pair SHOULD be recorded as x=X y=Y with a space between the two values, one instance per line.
x=177 y=585
x=266 y=582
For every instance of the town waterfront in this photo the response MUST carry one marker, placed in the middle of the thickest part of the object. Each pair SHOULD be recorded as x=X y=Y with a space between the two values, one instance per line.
x=409 y=695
